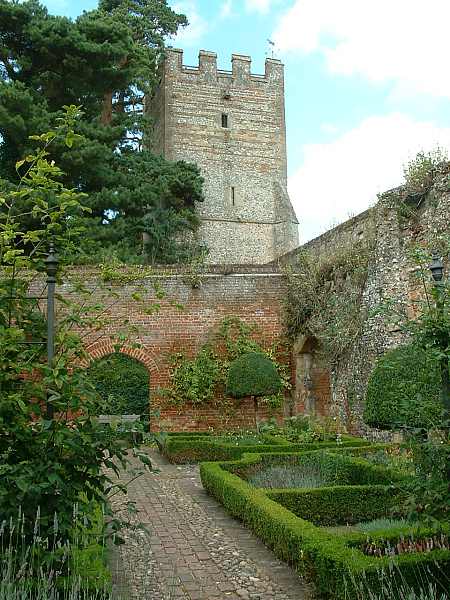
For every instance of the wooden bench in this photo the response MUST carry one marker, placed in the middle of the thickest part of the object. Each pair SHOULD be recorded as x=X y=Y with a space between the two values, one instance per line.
x=116 y=420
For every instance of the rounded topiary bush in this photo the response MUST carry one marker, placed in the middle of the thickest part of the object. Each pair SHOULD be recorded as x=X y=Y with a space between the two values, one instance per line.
x=404 y=390
x=253 y=374
x=122 y=385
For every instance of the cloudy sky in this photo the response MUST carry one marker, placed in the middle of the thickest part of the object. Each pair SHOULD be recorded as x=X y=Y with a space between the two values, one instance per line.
x=367 y=87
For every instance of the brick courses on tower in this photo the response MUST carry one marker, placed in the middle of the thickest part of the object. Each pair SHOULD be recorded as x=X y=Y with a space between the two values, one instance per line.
x=232 y=125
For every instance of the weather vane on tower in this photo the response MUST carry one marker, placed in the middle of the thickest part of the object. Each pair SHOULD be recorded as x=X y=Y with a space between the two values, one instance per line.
x=271 y=50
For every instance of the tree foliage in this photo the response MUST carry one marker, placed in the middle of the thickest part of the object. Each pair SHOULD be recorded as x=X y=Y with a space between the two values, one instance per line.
x=203 y=378
x=404 y=390
x=105 y=61
x=48 y=465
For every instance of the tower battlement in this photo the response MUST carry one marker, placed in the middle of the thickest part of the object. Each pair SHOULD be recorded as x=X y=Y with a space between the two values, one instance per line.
x=241 y=67
x=232 y=124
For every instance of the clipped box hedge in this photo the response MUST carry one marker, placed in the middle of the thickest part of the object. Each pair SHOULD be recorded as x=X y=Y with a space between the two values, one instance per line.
x=343 y=465
x=191 y=448
x=335 y=563
x=338 y=505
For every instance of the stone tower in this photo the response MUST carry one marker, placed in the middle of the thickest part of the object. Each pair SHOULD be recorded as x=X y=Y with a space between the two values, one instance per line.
x=232 y=125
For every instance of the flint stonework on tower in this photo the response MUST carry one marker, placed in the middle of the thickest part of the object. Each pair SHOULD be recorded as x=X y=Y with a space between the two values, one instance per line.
x=232 y=124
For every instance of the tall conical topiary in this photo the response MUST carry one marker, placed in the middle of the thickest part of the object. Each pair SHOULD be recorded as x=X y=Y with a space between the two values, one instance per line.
x=253 y=374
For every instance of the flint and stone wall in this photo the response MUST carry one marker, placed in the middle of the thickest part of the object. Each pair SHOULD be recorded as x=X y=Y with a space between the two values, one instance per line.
x=247 y=217
x=392 y=275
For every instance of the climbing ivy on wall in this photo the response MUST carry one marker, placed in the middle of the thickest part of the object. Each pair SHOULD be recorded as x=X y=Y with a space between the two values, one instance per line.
x=202 y=378
x=324 y=298
x=122 y=385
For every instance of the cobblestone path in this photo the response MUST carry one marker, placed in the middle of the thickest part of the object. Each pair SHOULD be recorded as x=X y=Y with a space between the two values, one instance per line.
x=193 y=549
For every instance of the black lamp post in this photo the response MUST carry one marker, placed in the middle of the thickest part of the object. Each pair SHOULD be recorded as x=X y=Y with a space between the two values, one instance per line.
x=51 y=268
x=437 y=272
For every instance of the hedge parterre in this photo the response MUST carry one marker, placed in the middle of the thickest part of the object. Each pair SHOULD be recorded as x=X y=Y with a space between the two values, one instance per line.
x=190 y=448
x=288 y=521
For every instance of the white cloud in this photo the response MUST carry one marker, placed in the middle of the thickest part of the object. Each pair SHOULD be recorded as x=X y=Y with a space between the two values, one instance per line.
x=342 y=178
x=403 y=41
x=261 y=6
x=226 y=10
x=190 y=35
x=329 y=128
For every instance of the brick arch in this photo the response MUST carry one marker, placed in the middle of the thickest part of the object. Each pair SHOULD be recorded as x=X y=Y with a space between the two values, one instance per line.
x=143 y=355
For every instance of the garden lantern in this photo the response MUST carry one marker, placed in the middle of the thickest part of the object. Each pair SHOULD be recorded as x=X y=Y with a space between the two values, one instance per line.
x=437 y=268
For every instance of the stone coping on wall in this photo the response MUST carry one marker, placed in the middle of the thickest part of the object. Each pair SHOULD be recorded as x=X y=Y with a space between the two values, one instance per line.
x=340 y=230
x=269 y=269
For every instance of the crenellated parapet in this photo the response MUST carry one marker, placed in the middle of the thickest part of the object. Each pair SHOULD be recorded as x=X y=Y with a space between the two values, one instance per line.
x=207 y=68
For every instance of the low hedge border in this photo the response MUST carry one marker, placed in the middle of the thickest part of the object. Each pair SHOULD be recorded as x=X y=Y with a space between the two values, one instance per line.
x=338 y=464
x=332 y=562
x=338 y=505
x=179 y=449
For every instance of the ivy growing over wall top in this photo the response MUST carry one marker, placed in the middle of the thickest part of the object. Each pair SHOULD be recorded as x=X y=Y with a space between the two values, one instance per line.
x=426 y=177
x=324 y=297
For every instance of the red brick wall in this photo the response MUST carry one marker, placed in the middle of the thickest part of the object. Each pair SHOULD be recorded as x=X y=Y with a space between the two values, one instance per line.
x=253 y=295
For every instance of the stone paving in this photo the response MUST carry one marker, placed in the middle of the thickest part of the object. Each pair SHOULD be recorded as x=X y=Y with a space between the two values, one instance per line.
x=192 y=548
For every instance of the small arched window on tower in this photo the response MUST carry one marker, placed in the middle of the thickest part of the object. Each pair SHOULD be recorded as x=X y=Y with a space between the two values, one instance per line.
x=225 y=121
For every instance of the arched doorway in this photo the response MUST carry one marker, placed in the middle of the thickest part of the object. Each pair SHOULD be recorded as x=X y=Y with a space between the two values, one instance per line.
x=122 y=384
x=312 y=379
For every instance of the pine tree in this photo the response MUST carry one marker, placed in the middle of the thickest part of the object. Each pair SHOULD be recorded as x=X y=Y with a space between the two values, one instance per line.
x=105 y=61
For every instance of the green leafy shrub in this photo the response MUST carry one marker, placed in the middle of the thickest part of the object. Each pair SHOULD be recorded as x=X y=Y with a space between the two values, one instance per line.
x=241 y=438
x=338 y=504
x=404 y=390
x=53 y=454
x=202 y=378
x=253 y=374
x=122 y=385
x=302 y=429
x=394 y=457
x=194 y=380
x=429 y=490
x=418 y=173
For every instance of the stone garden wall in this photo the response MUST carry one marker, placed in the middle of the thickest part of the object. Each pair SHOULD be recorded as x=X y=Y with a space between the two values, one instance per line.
x=398 y=223
x=253 y=294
